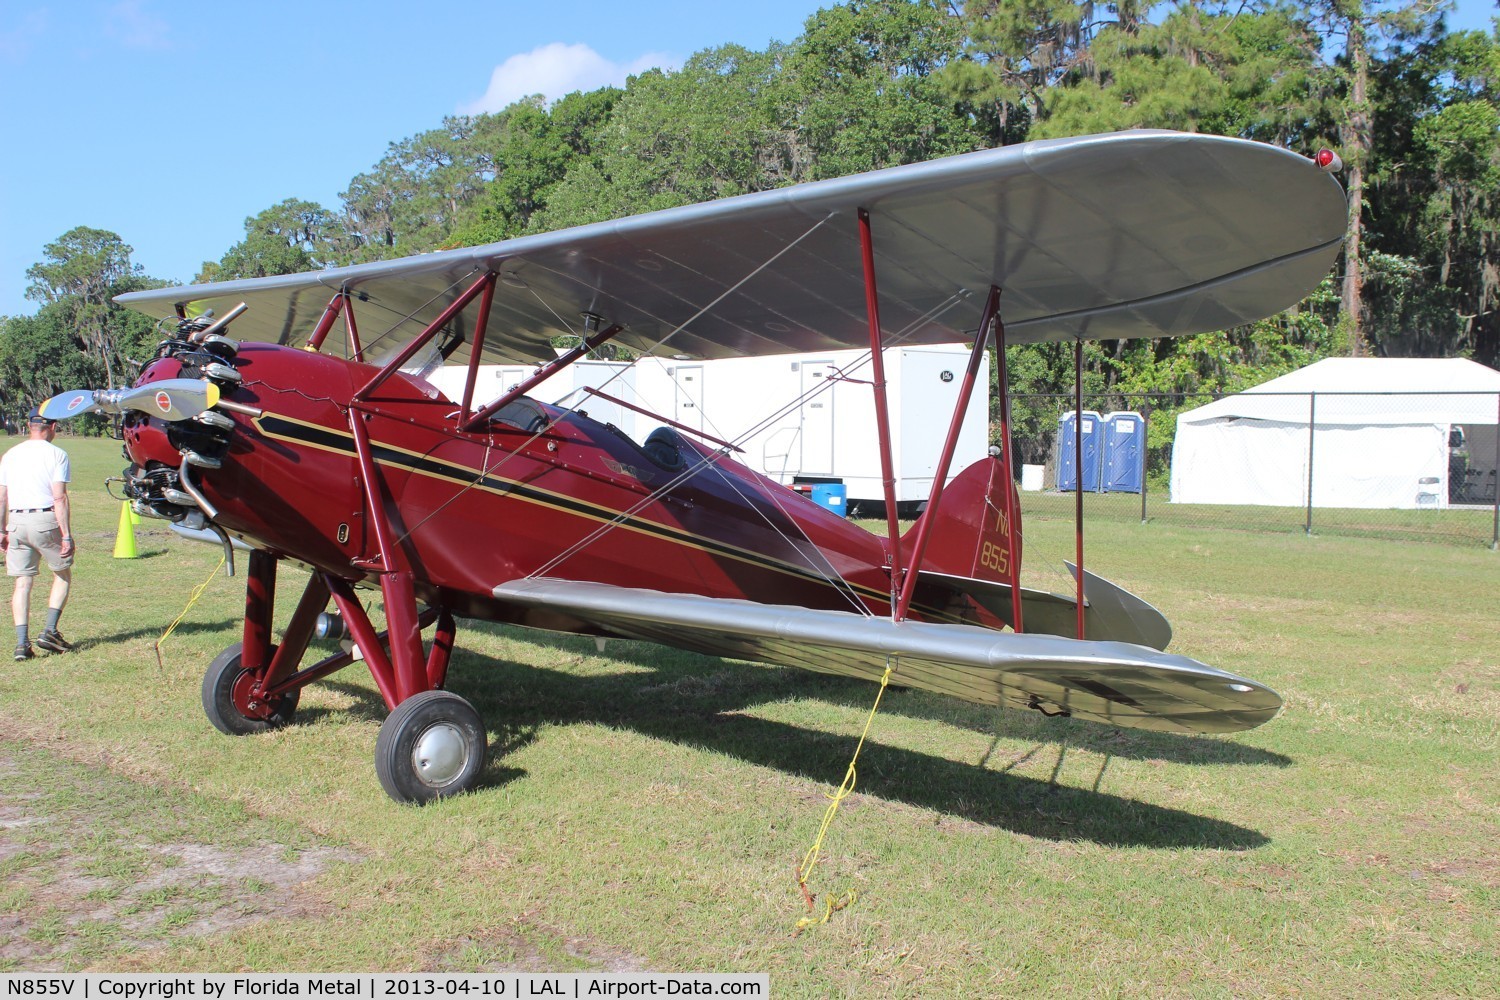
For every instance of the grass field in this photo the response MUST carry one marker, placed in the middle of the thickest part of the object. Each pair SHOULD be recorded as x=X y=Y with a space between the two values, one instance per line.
x=644 y=809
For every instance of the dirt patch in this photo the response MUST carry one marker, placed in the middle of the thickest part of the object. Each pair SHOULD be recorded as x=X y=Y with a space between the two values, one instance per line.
x=528 y=945
x=84 y=885
x=264 y=864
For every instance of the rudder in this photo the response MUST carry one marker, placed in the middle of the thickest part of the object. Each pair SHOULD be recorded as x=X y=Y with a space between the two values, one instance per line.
x=970 y=533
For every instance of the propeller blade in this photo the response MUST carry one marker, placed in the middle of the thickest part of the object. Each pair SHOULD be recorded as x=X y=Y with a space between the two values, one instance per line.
x=169 y=399
x=73 y=403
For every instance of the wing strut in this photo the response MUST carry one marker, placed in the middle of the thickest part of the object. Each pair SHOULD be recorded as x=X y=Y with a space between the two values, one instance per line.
x=541 y=375
x=476 y=350
x=882 y=411
x=1078 y=468
x=1012 y=511
x=988 y=318
x=410 y=673
x=486 y=284
x=326 y=321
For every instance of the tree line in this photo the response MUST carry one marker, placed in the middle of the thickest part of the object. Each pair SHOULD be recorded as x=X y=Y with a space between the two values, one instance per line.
x=1412 y=108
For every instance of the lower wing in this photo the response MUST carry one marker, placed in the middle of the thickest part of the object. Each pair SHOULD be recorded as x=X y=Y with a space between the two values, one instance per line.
x=1117 y=683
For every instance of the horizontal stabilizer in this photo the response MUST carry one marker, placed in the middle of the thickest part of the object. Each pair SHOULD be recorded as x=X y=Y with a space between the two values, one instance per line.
x=1109 y=612
x=1116 y=683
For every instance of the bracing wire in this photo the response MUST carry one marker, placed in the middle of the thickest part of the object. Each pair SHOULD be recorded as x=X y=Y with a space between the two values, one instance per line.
x=819 y=562
x=675 y=330
x=827 y=571
x=409 y=317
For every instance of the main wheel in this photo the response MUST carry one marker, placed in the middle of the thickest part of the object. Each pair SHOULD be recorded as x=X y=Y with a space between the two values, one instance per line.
x=228 y=704
x=430 y=747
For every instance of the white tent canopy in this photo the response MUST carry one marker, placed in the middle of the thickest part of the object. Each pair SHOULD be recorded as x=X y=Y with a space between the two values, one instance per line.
x=1377 y=429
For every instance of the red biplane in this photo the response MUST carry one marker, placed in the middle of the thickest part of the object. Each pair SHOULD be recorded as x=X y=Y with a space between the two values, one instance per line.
x=313 y=438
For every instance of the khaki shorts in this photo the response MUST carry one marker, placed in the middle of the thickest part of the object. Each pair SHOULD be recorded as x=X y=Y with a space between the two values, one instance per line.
x=32 y=538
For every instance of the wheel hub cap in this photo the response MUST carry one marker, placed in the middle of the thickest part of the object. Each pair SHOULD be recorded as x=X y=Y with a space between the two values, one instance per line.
x=245 y=703
x=439 y=754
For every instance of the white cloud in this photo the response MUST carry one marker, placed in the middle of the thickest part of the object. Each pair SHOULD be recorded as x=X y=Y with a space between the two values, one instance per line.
x=554 y=70
x=137 y=28
x=19 y=38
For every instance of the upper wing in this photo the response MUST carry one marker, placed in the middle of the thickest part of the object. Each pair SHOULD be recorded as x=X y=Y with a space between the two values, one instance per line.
x=1134 y=234
x=1113 y=682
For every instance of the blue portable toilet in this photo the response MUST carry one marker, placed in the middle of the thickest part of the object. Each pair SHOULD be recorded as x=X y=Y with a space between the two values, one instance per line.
x=1093 y=455
x=1124 y=452
x=833 y=496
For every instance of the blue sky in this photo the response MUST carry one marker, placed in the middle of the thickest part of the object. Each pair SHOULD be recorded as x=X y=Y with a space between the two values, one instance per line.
x=170 y=122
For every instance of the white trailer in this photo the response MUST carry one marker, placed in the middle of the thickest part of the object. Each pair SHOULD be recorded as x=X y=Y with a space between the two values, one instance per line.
x=800 y=418
x=566 y=388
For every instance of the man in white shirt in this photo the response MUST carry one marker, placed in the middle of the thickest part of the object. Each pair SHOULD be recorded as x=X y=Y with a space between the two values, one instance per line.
x=34 y=494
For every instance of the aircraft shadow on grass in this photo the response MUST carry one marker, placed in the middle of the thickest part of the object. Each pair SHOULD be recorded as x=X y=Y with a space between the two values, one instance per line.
x=82 y=641
x=773 y=684
x=699 y=701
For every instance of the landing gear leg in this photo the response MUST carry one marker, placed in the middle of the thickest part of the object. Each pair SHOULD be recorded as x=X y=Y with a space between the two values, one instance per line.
x=433 y=743
x=236 y=682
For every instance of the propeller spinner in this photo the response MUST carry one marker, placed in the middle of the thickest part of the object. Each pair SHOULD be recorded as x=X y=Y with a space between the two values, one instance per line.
x=169 y=399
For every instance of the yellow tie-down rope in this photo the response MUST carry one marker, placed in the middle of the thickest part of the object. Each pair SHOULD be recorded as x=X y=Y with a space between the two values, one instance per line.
x=193 y=599
x=833 y=904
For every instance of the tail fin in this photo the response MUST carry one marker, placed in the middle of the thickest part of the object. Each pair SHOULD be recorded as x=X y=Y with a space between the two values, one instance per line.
x=969 y=556
x=970 y=534
x=1109 y=612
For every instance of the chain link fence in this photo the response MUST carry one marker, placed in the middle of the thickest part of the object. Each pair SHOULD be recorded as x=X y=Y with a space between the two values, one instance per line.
x=1420 y=466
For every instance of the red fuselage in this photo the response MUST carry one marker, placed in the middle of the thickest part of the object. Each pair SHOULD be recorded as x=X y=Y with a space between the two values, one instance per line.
x=471 y=510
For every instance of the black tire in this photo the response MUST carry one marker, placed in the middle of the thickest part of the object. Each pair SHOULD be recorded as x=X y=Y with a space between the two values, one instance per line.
x=218 y=698
x=432 y=746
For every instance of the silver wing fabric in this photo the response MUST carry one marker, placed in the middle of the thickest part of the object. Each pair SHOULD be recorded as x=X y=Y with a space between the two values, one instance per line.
x=1116 y=683
x=1132 y=234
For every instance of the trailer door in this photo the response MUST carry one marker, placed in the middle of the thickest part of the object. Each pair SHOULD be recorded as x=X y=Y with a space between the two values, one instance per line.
x=614 y=377
x=817 y=419
x=689 y=382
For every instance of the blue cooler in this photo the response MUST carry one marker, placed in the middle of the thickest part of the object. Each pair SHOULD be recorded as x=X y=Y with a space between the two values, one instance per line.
x=832 y=496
